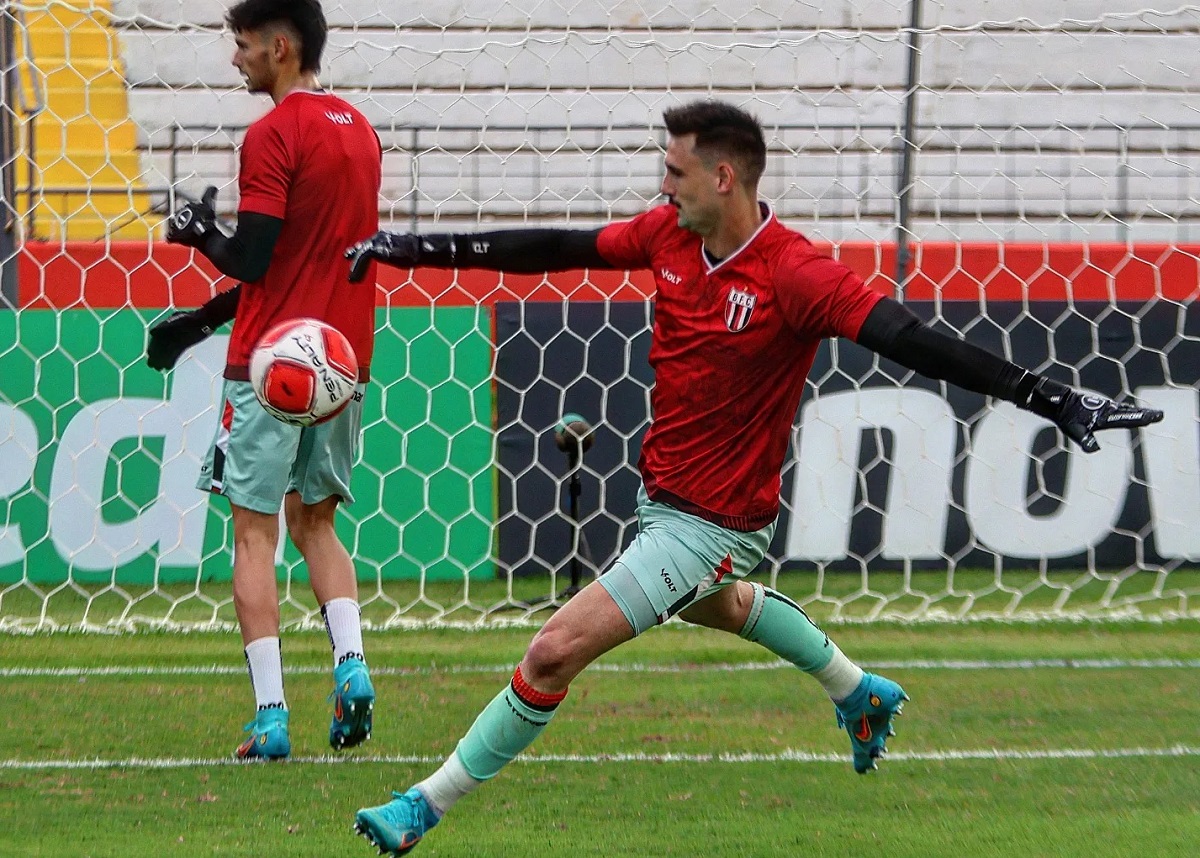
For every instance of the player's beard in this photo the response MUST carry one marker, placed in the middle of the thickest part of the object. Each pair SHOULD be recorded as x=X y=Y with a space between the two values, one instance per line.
x=698 y=221
x=257 y=77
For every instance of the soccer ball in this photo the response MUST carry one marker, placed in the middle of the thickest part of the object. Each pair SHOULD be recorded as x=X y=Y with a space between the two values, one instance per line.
x=303 y=371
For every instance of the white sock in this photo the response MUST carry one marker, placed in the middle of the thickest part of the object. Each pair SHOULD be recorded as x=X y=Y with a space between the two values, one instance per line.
x=840 y=677
x=448 y=784
x=264 y=660
x=343 y=622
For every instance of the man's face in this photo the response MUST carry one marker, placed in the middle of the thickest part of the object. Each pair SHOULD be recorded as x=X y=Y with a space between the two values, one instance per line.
x=254 y=57
x=691 y=186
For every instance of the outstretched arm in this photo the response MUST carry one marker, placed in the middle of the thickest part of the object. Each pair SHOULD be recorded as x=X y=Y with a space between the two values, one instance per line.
x=518 y=251
x=895 y=332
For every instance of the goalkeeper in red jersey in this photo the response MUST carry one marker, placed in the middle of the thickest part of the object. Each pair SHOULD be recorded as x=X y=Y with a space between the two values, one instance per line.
x=309 y=181
x=741 y=306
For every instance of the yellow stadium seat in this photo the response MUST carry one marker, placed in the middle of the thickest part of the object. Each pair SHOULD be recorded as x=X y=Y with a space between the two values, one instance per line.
x=85 y=166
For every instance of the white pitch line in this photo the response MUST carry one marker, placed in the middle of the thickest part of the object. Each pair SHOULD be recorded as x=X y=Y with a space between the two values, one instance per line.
x=911 y=664
x=789 y=756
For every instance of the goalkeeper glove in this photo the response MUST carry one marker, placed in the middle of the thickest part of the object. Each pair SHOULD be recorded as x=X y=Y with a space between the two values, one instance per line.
x=403 y=250
x=400 y=249
x=183 y=329
x=193 y=223
x=1078 y=415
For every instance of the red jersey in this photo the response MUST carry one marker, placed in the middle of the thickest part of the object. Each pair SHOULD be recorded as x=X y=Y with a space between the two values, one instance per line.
x=731 y=348
x=315 y=162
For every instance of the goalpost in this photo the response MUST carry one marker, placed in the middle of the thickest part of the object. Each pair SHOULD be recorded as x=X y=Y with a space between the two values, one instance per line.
x=1023 y=174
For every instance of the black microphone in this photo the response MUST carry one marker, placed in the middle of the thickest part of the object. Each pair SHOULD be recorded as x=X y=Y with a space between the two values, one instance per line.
x=574 y=435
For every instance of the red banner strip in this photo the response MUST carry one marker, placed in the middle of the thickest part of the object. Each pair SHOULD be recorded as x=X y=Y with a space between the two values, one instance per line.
x=102 y=275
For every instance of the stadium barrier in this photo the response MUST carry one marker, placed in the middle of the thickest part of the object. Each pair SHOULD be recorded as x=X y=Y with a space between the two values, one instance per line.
x=473 y=371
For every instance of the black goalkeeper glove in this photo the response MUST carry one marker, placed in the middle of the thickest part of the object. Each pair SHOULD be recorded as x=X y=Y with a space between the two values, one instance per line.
x=182 y=330
x=1078 y=415
x=193 y=223
x=402 y=250
x=172 y=336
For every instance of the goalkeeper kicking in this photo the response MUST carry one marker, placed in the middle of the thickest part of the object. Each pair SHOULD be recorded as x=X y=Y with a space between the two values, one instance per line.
x=742 y=304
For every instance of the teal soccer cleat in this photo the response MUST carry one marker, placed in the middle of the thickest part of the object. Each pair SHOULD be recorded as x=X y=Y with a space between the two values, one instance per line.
x=399 y=825
x=268 y=737
x=353 y=704
x=867 y=716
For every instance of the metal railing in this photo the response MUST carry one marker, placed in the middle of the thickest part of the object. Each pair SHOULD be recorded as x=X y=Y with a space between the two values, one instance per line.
x=17 y=100
x=31 y=99
x=893 y=155
x=880 y=152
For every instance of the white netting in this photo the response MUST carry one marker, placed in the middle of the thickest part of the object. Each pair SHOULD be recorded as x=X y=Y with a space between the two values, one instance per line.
x=1036 y=162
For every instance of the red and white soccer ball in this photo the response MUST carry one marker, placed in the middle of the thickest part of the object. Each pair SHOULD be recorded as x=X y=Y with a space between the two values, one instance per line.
x=303 y=371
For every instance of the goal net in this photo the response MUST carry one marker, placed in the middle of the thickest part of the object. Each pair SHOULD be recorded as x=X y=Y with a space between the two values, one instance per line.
x=1022 y=174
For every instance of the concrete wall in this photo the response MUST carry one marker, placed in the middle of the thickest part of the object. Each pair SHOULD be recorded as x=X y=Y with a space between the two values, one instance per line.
x=1064 y=121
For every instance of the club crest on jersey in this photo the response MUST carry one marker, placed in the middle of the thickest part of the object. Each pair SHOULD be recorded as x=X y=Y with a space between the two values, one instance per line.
x=739 y=306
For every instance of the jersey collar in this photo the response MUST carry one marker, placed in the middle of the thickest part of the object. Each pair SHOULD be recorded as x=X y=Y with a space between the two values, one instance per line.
x=768 y=216
x=305 y=92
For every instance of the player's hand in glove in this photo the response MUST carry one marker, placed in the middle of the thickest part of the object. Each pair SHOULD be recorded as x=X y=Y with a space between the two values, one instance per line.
x=183 y=329
x=172 y=336
x=193 y=223
x=402 y=250
x=1078 y=415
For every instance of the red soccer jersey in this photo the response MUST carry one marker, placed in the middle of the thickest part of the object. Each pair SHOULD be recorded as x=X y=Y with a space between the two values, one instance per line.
x=315 y=162
x=731 y=349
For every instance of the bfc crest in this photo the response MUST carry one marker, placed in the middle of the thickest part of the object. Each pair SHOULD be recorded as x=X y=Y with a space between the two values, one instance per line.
x=739 y=306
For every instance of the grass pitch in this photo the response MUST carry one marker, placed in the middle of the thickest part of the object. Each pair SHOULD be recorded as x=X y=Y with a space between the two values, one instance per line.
x=1050 y=740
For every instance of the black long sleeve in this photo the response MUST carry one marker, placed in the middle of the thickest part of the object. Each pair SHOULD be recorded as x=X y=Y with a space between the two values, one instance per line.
x=519 y=251
x=894 y=331
x=246 y=254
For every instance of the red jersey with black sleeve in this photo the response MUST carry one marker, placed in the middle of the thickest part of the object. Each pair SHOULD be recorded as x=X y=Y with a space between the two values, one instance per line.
x=731 y=348
x=315 y=162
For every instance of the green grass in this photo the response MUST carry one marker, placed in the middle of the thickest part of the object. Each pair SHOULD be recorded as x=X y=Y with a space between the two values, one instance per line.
x=849 y=596
x=1144 y=806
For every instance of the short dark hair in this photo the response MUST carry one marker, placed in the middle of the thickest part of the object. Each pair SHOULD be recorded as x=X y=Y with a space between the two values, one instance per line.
x=303 y=16
x=722 y=130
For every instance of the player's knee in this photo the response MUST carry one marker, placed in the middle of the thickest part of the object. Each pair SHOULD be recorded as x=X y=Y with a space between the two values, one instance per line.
x=548 y=663
x=299 y=534
x=306 y=526
x=256 y=545
x=725 y=610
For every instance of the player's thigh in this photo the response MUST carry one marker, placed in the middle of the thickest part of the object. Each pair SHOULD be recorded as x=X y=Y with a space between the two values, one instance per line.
x=252 y=453
x=676 y=559
x=327 y=455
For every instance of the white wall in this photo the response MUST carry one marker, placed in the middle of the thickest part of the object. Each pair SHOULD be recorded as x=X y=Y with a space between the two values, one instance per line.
x=828 y=81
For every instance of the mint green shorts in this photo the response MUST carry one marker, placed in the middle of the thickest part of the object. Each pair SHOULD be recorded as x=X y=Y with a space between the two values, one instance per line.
x=255 y=459
x=677 y=559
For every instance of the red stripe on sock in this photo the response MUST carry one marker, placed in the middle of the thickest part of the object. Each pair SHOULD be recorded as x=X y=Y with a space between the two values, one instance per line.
x=531 y=695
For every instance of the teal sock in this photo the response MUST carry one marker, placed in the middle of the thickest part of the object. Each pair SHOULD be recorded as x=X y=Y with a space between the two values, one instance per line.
x=780 y=625
x=506 y=726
